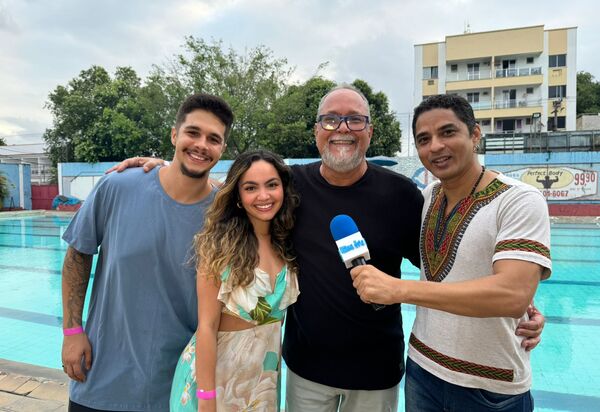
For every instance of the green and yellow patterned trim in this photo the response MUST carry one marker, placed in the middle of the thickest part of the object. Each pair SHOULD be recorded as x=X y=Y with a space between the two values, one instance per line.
x=439 y=247
x=462 y=366
x=524 y=245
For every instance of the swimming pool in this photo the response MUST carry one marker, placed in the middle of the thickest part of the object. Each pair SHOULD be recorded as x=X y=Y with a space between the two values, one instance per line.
x=565 y=366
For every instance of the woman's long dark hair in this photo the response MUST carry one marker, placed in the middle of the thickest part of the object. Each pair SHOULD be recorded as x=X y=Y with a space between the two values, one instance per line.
x=227 y=238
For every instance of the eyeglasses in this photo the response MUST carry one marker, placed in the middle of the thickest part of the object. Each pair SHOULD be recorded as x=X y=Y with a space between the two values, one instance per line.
x=354 y=122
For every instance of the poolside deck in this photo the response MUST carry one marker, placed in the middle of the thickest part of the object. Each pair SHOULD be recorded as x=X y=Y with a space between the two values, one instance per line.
x=31 y=388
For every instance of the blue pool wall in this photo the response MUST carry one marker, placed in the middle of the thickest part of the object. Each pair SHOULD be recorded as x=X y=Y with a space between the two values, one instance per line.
x=408 y=166
x=13 y=171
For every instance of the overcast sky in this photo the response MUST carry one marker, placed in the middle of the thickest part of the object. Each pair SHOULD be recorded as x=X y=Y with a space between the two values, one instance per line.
x=44 y=43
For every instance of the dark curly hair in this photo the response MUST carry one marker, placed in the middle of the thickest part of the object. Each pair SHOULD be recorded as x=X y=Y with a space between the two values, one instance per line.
x=459 y=105
x=227 y=238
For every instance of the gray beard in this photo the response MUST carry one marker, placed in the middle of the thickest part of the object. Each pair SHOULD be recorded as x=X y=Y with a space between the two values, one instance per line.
x=194 y=175
x=342 y=164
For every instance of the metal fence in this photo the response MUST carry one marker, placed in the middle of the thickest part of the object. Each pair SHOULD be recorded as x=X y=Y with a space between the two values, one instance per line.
x=517 y=142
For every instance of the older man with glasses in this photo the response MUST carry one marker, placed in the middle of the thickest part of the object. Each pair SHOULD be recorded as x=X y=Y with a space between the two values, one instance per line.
x=340 y=352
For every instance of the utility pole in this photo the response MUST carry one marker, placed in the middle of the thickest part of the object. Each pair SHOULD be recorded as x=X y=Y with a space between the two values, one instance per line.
x=556 y=107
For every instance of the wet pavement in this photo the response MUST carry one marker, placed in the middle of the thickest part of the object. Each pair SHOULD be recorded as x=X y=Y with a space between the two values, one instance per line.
x=30 y=388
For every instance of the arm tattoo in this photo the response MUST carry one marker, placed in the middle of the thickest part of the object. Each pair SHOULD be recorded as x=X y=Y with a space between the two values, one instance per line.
x=75 y=279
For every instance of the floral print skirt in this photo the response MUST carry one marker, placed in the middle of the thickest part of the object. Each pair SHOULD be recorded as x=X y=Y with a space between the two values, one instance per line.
x=247 y=372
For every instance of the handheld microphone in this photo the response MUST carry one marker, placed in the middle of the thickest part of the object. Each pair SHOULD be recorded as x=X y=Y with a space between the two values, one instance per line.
x=350 y=243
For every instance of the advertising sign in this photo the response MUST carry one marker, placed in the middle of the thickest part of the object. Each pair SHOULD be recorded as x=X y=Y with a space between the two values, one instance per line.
x=559 y=183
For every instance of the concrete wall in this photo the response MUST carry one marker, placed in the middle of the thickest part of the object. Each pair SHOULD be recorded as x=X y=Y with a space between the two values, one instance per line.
x=565 y=178
x=588 y=122
x=78 y=179
x=19 y=175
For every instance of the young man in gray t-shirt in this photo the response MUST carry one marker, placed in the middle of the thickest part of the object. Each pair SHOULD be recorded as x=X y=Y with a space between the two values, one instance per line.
x=142 y=308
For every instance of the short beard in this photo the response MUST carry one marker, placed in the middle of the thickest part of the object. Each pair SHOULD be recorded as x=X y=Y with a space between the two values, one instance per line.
x=194 y=175
x=342 y=164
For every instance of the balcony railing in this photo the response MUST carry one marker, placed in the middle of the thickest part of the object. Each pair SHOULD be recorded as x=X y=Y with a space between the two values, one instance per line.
x=518 y=72
x=496 y=73
x=481 y=105
x=514 y=103
x=517 y=142
x=475 y=75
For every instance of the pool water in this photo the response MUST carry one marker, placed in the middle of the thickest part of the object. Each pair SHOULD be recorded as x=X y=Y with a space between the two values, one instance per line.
x=566 y=365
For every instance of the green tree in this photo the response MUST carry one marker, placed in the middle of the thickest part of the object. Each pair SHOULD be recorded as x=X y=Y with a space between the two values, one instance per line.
x=99 y=118
x=5 y=188
x=588 y=93
x=291 y=134
x=250 y=82
x=102 y=118
x=387 y=134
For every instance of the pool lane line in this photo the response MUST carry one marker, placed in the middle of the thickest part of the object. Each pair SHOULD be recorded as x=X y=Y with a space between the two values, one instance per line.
x=577 y=260
x=570 y=282
x=61 y=249
x=50 y=320
x=573 y=246
x=565 y=320
x=27 y=234
x=35 y=270
x=564 y=401
x=34 y=224
x=30 y=269
x=31 y=317
x=573 y=235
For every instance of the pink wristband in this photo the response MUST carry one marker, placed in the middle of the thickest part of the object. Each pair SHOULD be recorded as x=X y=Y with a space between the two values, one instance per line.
x=72 y=331
x=206 y=395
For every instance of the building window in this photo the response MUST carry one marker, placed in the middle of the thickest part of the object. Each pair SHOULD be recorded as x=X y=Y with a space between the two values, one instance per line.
x=557 y=60
x=430 y=72
x=473 y=71
x=454 y=68
x=485 y=122
x=498 y=124
x=530 y=60
x=519 y=124
x=560 y=124
x=529 y=90
x=473 y=97
x=557 y=91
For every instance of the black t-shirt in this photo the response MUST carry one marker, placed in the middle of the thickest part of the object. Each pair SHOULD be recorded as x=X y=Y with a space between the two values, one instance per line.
x=331 y=336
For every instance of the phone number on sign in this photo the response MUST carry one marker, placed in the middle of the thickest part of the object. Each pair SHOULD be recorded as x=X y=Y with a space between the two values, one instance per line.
x=556 y=193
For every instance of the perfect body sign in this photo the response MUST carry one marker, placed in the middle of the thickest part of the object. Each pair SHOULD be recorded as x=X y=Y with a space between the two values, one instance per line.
x=559 y=183
x=352 y=247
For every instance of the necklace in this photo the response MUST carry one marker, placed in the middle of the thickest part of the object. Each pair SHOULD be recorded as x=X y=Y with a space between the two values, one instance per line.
x=477 y=181
x=441 y=224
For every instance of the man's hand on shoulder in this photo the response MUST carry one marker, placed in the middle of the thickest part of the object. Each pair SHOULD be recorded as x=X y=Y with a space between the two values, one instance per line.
x=148 y=163
x=531 y=329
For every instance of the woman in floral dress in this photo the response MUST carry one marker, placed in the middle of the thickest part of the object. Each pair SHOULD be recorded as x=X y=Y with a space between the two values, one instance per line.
x=246 y=278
